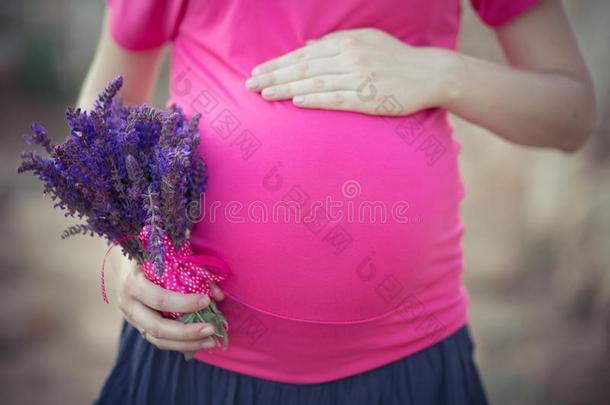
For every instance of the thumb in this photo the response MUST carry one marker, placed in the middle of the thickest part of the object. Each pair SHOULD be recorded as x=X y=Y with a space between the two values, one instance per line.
x=217 y=293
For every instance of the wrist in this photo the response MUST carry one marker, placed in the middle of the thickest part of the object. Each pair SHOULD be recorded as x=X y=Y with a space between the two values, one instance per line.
x=449 y=78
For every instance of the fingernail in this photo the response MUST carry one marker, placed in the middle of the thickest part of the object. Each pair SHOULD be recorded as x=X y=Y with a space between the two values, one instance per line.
x=298 y=99
x=204 y=301
x=257 y=71
x=252 y=83
x=269 y=92
x=207 y=331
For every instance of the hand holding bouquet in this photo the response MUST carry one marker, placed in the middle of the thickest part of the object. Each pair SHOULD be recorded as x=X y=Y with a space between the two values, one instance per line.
x=133 y=172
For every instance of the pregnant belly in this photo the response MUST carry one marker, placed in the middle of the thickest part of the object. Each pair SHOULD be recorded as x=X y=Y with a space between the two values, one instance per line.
x=323 y=216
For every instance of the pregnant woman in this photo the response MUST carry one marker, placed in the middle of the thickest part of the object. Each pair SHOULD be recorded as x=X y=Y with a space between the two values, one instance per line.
x=334 y=189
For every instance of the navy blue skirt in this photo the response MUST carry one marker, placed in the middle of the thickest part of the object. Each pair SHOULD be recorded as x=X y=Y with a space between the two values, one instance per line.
x=444 y=373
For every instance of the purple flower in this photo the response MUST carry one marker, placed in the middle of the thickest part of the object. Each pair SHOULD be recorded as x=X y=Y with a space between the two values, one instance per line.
x=123 y=167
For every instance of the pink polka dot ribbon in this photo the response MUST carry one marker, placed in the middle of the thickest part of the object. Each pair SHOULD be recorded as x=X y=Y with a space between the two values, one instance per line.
x=183 y=271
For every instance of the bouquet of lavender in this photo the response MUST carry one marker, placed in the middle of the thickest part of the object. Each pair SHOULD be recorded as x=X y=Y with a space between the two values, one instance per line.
x=132 y=172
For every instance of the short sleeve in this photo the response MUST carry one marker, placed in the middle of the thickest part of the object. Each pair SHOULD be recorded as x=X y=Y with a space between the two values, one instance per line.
x=140 y=25
x=497 y=12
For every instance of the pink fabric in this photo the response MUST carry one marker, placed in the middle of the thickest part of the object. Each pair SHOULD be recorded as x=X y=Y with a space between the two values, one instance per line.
x=141 y=25
x=182 y=270
x=316 y=298
x=497 y=12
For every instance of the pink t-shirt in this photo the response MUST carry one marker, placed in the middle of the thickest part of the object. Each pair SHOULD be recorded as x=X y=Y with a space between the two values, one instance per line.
x=342 y=230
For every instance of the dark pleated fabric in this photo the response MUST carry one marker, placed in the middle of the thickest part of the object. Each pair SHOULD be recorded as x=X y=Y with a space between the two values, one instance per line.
x=444 y=373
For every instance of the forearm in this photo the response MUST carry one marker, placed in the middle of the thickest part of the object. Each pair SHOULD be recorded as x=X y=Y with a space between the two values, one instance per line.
x=139 y=71
x=542 y=109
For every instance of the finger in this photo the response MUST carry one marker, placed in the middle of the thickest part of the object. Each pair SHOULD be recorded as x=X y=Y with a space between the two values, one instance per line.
x=217 y=293
x=315 y=50
x=160 y=298
x=318 y=84
x=350 y=32
x=162 y=328
x=342 y=100
x=300 y=71
x=182 y=346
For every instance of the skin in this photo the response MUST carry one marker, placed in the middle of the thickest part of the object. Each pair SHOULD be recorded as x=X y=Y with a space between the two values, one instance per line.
x=544 y=98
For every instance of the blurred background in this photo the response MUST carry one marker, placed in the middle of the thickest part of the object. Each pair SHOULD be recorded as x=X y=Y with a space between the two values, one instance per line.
x=537 y=241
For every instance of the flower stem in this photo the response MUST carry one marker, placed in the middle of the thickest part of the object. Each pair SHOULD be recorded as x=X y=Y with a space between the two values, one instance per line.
x=210 y=314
